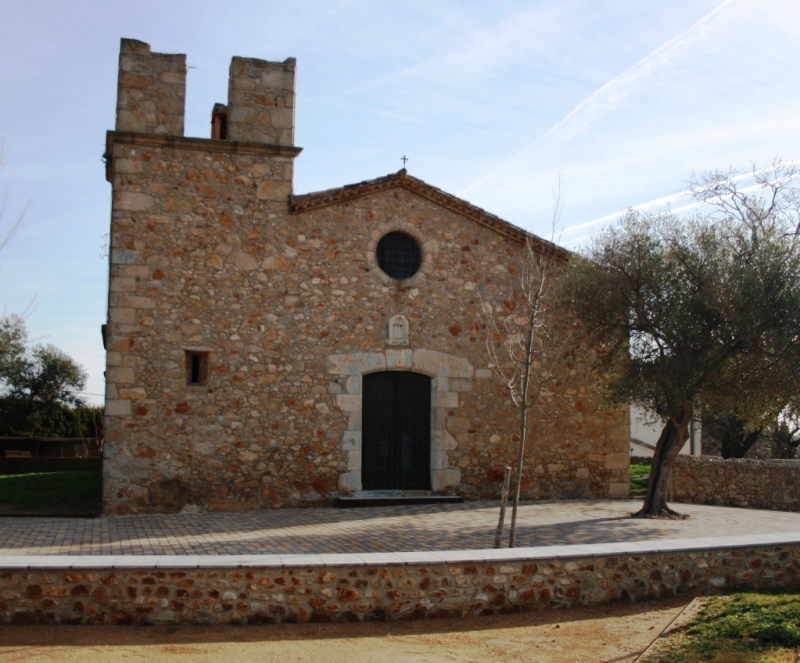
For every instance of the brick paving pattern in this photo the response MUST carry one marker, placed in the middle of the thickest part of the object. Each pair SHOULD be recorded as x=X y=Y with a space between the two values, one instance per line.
x=385 y=529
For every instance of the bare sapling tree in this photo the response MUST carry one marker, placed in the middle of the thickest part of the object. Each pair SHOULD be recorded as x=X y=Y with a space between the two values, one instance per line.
x=522 y=342
x=8 y=230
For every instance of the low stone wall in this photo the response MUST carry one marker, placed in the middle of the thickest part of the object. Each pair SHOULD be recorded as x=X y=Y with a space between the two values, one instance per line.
x=380 y=586
x=759 y=484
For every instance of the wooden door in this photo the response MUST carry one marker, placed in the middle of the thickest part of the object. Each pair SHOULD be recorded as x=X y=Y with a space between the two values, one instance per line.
x=396 y=431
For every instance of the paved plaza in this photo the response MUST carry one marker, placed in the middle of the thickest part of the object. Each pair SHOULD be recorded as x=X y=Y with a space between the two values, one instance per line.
x=470 y=525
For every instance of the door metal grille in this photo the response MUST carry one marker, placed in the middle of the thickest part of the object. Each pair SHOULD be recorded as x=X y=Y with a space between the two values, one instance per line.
x=396 y=431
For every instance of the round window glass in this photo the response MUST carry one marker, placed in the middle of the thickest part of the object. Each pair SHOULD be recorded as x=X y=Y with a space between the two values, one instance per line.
x=399 y=255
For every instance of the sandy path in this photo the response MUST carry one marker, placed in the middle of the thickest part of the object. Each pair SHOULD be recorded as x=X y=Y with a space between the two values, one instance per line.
x=611 y=634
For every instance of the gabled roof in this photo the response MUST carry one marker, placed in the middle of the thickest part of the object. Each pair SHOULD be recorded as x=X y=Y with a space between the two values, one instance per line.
x=402 y=180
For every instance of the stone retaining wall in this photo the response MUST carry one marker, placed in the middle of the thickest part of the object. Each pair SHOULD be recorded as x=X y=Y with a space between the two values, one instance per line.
x=759 y=484
x=355 y=590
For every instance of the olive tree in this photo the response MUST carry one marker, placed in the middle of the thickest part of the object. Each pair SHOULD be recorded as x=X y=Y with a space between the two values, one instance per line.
x=700 y=311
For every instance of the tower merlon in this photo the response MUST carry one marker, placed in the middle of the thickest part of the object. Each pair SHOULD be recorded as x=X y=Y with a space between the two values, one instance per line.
x=261 y=101
x=151 y=90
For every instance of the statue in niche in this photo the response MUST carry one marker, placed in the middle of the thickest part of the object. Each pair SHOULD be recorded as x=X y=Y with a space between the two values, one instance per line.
x=398 y=330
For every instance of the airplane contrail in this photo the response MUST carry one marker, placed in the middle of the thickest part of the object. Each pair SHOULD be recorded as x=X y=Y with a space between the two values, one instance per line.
x=666 y=200
x=646 y=63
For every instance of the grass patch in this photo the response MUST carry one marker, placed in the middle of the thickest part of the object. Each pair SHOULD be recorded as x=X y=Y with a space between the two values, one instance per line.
x=639 y=474
x=57 y=490
x=743 y=628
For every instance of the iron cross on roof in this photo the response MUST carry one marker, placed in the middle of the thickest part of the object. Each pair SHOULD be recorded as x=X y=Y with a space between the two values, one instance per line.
x=404 y=159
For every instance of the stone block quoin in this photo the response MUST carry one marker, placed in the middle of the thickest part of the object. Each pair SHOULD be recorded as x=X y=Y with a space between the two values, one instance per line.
x=151 y=90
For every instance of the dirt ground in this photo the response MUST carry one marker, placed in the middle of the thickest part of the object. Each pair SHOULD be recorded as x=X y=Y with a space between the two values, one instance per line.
x=608 y=634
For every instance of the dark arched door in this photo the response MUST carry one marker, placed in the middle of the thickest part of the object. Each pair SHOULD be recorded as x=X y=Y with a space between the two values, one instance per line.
x=396 y=431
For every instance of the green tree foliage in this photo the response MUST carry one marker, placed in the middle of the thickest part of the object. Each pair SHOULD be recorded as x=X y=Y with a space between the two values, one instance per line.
x=13 y=338
x=38 y=388
x=727 y=436
x=784 y=438
x=698 y=312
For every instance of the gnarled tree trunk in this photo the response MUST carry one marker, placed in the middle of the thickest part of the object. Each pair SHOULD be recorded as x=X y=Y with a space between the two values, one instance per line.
x=672 y=439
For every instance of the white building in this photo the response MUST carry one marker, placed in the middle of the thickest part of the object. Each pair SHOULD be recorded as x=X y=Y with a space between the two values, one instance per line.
x=645 y=434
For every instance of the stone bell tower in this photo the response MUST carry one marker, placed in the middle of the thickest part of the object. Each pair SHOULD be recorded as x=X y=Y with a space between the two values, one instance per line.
x=192 y=228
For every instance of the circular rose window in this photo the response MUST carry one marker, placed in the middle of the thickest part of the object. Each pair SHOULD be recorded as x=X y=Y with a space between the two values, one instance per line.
x=398 y=255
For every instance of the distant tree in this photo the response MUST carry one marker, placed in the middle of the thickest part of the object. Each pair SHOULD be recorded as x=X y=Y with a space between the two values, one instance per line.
x=65 y=421
x=702 y=311
x=784 y=438
x=13 y=339
x=39 y=387
x=729 y=436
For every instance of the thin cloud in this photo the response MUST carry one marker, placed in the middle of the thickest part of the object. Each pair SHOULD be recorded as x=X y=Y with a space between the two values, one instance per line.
x=662 y=203
x=607 y=97
x=500 y=40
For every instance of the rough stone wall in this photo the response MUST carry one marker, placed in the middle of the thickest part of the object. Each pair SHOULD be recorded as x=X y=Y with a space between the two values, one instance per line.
x=291 y=309
x=379 y=592
x=578 y=448
x=203 y=259
x=193 y=236
x=151 y=91
x=261 y=101
x=759 y=484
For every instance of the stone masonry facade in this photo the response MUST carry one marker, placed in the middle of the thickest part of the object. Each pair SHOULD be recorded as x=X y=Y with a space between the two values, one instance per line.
x=744 y=482
x=380 y=592
x=282 y=300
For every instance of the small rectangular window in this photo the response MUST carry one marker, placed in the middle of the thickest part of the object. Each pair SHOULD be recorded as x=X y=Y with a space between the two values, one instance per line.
x=196 y=367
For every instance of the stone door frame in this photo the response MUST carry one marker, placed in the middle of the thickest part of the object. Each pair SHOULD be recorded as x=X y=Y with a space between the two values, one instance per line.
x=449 y=375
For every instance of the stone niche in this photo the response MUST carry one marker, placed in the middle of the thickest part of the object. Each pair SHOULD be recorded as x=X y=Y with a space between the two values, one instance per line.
x=444 y=369
x=397 y=332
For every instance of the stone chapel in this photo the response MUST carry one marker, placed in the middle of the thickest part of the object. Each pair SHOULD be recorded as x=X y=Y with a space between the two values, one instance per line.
x=269 y=349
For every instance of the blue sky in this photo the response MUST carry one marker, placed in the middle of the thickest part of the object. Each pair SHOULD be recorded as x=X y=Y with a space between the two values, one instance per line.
x=490 y=101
